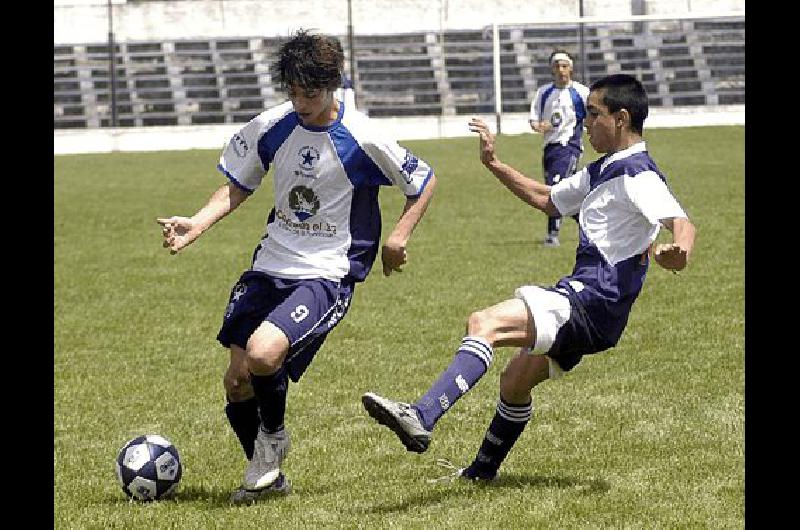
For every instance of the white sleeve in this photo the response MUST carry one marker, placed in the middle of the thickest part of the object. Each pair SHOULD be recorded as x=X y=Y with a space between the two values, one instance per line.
x=534 y=114
x=240 y=161
x=583 y=90
x=568 y=194
x=650 y=195
x=399 y=165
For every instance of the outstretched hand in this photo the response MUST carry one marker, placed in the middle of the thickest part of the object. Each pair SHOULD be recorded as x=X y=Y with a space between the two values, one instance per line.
x=178 y=232
x=487 y=139
x=670 y=256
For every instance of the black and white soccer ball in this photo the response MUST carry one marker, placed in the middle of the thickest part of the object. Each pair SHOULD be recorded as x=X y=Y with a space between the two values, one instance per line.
x=149 y=468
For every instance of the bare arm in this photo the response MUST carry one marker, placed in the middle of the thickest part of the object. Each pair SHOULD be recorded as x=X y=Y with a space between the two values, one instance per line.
x=675 y=256
x=180 y=232
x=393 y=253
x=527 y=189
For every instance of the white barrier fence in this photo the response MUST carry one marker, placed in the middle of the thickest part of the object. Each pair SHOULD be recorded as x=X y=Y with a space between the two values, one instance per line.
x=179 y=138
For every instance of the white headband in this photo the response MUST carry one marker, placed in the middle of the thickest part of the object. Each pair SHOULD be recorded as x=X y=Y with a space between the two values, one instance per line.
x=560 y=57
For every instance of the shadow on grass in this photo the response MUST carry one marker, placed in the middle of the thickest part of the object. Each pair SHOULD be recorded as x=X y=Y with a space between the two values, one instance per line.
x=434 y=496
x=585 y=486
x=215 y=497
x=185 y=494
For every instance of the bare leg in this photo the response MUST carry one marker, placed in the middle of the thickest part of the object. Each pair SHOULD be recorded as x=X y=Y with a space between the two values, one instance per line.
x=241 y=407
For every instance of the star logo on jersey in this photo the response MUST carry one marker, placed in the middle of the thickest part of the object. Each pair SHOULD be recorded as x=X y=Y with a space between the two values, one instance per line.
x=308 y=156
x=303 y=201
x=556 y=119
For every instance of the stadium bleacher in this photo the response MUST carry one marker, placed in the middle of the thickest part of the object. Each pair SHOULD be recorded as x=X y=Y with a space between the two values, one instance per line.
x=396 y=75
x=183 y=82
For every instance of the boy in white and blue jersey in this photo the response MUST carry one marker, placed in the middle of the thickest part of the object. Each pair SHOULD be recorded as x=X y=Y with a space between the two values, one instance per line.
x=322 y=236
x=621 y=200
x=557 y=111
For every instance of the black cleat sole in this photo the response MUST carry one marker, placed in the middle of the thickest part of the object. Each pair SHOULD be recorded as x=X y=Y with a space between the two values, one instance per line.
x=413 y=444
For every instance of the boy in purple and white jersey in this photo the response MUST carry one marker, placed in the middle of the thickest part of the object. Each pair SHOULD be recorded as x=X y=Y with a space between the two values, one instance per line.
x=622 y=200
x=322 y=237
x=557 y=111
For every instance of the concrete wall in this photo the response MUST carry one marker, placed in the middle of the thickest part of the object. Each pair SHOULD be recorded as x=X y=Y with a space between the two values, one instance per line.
x=216 y=136
x=86 y=21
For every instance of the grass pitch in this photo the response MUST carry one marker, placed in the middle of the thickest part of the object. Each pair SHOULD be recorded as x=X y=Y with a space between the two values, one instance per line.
x=649 y=434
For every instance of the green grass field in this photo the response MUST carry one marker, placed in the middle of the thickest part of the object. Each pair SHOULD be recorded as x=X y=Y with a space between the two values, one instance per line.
x=647 y=435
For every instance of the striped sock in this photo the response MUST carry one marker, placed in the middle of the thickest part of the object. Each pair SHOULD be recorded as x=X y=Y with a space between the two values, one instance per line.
x=471 y=361
x=508 y=423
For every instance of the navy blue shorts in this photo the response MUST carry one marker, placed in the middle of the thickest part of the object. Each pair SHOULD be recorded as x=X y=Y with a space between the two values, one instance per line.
x=565 y=331
x=305 y=310
x=559 y=162
x=577 y=337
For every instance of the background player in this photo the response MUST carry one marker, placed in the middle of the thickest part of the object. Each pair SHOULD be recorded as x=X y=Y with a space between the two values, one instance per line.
x=557 y=111
x=622 y=200
x=321 y=238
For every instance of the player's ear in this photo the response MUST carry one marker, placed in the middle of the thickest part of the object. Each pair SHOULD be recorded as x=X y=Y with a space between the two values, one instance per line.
x=623 y=119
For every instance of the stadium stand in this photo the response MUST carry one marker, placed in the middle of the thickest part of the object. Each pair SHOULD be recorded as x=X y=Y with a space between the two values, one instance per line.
x=397 y=75
x=183 y=82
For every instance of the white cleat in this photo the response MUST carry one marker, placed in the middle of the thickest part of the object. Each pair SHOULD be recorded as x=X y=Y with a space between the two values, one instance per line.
x=281 y=487
x=265 y=466
x=551 y=241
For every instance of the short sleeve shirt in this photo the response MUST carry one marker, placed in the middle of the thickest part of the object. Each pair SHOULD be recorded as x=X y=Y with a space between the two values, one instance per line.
x=325 y=222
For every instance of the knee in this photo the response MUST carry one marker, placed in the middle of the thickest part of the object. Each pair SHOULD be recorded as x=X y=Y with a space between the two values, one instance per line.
x=266 y=349
x=479 y=324
x=265 y=360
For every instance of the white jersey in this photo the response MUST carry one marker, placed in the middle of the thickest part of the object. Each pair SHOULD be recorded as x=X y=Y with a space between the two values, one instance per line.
x=565 y=109
x=620 y=200
x=619 y=210
x=326 y=220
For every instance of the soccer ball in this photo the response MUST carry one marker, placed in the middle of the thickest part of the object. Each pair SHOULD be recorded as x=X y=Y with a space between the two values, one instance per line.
x=149 y=468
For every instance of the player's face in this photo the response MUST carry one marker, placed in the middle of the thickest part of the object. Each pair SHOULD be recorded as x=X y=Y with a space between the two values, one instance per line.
x=316 y=107
x=601 y=125
x=562 y=73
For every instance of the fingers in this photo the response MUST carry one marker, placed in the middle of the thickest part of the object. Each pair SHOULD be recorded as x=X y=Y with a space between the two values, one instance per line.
x=168 y=232
x=663 y=247
x=392 y=263
x=478 y=125
x=168 y=225
x=671 y=257
x=669 y=248
x=389 y=269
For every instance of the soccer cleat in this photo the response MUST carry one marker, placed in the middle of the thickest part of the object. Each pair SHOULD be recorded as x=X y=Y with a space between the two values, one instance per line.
x=456 y=473
x=551 y=241
x=265 y=466
x=281 y=486
x=469 y=473
x=400 y=418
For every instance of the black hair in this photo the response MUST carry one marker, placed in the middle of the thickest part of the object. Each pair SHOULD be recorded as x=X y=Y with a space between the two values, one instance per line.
x=624 y=92
x=310 y=61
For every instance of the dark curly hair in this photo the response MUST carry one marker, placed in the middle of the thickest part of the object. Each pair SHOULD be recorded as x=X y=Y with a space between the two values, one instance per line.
x=310 y=61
